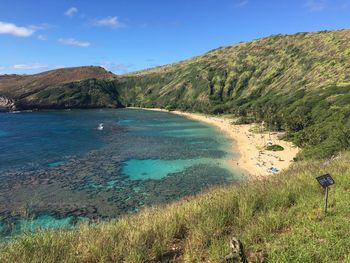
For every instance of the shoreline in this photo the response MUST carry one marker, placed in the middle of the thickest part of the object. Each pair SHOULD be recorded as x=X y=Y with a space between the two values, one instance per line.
x=253 y=159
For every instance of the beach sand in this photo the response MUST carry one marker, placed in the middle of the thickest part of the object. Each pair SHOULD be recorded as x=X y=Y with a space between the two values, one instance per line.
x=253 y=158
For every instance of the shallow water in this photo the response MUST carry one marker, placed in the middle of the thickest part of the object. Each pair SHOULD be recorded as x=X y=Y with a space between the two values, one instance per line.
x=57 y=167
x=156 y=169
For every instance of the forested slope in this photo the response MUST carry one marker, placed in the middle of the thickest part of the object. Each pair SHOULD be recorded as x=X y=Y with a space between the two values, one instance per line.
x=298 y=83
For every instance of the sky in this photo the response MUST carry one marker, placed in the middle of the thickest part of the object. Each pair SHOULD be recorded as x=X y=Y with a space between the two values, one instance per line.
x=128 y=35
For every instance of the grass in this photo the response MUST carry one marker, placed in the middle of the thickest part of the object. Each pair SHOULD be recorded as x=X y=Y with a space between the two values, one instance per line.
x=257 y=128
x=282 y=216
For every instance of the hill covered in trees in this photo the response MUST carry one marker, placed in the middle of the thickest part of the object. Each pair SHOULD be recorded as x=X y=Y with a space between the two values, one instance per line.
x=298 y=83
x=71 y=87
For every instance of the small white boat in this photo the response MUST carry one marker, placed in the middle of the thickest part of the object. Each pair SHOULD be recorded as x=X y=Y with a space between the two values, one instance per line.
x=100 y=127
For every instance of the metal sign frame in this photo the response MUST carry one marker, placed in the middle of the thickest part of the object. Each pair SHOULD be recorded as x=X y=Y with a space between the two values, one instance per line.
x=325 y=180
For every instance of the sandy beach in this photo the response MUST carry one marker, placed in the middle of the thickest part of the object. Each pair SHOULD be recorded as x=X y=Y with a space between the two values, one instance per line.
x=253 y=158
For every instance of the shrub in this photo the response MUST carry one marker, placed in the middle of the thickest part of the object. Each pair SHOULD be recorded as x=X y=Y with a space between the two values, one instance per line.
x=275 y=148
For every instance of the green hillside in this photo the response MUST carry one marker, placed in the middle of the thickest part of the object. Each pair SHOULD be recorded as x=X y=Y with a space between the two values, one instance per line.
x=298 y=83
x=90 y=93
x=281 y=217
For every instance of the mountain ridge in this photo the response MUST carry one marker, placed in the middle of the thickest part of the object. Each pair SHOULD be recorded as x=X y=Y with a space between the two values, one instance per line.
x=16 y=85
x=14 y=88
x=298 y=83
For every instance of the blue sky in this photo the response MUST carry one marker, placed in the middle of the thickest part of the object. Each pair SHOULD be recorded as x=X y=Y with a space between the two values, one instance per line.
x=128 y=35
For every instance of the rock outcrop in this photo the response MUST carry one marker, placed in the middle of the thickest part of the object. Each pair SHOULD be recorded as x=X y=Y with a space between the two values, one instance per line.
x=7 y=104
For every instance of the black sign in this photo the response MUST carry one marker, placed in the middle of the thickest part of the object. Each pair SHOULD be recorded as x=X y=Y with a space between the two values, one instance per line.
x=325 y=180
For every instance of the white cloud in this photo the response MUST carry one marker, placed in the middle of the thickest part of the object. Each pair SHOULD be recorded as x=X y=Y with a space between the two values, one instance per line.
x=315 y=5
x=108 y=22
x=42 y=37
x=71 y=12
x=73 y=42
x=12 y=29
x=30 y=66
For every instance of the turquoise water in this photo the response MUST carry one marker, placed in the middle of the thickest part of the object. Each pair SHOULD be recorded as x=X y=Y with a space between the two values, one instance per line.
x=57 y=167
x=40 y=222
x=124 y=121
x=43 y=221
x=185 y=132
x=155 y=169
x=55 y=164
x=3 y=133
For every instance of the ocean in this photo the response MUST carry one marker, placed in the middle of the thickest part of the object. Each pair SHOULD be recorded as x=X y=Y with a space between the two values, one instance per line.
x=58 y=168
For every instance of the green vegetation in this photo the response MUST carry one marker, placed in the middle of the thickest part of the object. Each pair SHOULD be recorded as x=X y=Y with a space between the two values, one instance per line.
x=257 y=128
x=282 y=216
x=295 y=83
x=91 y=93
x=275 y=148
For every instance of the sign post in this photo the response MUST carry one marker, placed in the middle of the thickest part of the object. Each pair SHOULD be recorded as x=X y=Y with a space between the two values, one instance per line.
x=326 y=197
x=325 y=181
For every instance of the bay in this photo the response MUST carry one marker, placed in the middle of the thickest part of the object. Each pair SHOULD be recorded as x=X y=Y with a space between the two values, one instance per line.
x=60 y=166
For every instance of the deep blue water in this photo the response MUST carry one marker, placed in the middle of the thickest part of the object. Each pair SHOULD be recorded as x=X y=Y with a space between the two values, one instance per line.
x=57 y=168
x=46 y=136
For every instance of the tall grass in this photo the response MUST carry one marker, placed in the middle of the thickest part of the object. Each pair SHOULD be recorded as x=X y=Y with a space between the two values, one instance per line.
x=282 y=216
